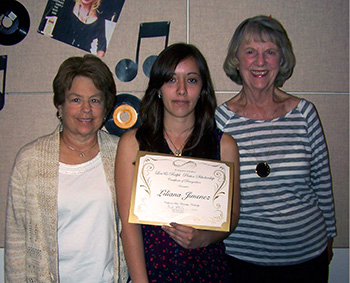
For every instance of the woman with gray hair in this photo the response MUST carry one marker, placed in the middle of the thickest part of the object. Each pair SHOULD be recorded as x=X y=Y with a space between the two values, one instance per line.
x=287 y=223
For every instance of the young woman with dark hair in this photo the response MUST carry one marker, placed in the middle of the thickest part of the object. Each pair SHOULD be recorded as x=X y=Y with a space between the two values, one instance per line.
x=177 y=117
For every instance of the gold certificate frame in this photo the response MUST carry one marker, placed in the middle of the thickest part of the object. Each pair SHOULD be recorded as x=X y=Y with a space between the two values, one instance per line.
x=191 y=191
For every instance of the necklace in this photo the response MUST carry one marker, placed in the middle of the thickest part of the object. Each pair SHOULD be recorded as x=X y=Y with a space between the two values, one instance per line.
x=81 y=153
x=262 y=169
x=83 y=19
x=178 y=151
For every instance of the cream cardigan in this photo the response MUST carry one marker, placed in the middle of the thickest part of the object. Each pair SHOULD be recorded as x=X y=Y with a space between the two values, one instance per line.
x=31 y=249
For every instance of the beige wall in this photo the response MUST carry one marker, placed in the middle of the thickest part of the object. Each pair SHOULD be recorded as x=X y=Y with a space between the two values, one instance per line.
x=319 y=31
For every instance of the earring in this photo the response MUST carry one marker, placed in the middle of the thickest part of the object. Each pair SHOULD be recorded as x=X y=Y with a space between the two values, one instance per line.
x=59 y=117
x=159 y=96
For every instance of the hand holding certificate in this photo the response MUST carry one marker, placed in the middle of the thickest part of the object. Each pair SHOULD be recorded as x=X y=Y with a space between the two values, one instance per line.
x=191 y=191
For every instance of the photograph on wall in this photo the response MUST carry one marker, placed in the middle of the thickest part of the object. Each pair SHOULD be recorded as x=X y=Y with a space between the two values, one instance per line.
x=84 y=24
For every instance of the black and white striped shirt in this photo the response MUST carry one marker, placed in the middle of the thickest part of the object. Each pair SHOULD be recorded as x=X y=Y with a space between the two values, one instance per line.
x=287 y=217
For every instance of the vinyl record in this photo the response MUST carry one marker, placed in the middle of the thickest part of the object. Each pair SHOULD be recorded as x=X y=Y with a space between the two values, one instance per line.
x=126 y=70
x=14 y=22
x=147 y=65
x=124 y=115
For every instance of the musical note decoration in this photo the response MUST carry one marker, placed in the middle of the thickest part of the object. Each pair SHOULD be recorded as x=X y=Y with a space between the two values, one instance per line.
x=3 y=65
x=126 y=69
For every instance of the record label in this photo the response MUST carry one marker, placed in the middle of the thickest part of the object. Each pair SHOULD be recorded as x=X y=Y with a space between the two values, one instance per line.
x=14 y=22
x=124 y=115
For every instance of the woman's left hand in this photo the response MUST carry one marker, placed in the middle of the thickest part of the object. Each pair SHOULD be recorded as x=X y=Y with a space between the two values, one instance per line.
x=191 y=238
x=185 y=236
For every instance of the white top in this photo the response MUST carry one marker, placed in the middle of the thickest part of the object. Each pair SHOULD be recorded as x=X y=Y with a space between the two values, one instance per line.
x=85 y=223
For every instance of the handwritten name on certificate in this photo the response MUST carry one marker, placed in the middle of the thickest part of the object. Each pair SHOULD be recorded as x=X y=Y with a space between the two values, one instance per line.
x=191 y=191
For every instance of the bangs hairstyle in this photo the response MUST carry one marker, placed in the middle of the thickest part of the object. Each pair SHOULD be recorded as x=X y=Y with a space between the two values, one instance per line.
x=151 y=111
x=262 y=29
x=89 y=66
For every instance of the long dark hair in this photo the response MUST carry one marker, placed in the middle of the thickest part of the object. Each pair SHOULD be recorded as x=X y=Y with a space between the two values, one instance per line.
x=151 y=111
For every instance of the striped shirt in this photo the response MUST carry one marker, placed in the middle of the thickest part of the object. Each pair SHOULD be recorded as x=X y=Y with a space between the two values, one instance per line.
x=287 y=217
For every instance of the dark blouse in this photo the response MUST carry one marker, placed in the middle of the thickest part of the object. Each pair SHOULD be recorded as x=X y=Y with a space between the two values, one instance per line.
x=71 y=30
x=84 y=34
x=166 y=261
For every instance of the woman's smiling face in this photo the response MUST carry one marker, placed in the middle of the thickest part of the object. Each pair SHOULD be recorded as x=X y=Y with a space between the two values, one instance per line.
x=83 y=109
x=259 y=63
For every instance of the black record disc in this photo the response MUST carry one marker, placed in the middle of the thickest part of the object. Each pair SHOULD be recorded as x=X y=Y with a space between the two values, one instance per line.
x=14 y=22
x=126 y=70
x=147 y=65
x=124 y=115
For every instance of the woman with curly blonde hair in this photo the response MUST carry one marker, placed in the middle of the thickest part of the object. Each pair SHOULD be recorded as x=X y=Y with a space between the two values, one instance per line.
x=82 y=25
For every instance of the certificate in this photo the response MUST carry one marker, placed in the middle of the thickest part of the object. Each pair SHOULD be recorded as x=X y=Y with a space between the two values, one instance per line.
x=191 y=191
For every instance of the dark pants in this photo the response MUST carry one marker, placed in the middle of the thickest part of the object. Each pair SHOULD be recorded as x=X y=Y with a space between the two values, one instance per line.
x=312 y=271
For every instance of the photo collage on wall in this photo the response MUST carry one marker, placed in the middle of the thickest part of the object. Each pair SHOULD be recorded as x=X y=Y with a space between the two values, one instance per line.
x=85 y=24
x=89 y=26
